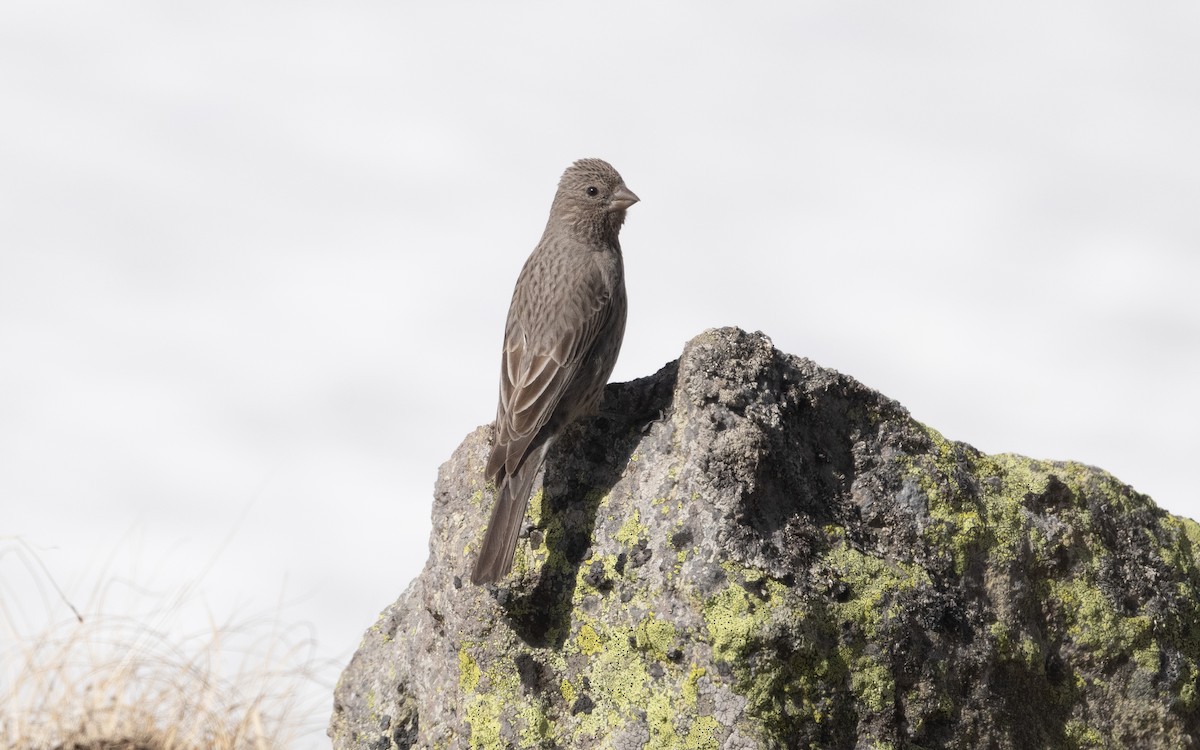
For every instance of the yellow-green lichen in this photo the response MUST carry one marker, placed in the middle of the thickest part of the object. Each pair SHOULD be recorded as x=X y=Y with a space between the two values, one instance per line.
x=1148 y=658
x=483 y=717
x=588 y=641
x=1183 y=544
x=618 y=680
x=537 y=508
x=702 y=735
x=1191 y=530
x=631 y=531
x=655 y=636
x=660 y=720
x=477 y=498
x=1093 y=623
x=983 y=516
x=734 y=618
x=1188 y=695
x=1080 y=735
x=468 y=671
x=619 y=675
x=666 y=506
x=586 y=585
x=689 y=691
x=787 y=689
x=536 y=727
x=503 y=697
x=981 y=508
x=874 y=584
x=623 y=689
x=872 y=682
x=567 y=691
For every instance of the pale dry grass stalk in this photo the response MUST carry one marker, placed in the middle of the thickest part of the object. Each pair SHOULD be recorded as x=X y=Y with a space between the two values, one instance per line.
x=128 y=682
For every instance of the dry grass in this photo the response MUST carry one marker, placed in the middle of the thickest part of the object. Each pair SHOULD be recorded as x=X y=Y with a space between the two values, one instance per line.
x=125 y=681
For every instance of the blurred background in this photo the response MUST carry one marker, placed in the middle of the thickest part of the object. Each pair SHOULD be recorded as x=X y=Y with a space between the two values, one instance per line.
x=255 y=259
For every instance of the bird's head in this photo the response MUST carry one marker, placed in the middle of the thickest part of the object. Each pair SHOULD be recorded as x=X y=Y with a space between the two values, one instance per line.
x=592 y=198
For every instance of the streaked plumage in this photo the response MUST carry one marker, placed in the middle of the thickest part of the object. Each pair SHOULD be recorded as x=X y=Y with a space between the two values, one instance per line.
x=564 y=331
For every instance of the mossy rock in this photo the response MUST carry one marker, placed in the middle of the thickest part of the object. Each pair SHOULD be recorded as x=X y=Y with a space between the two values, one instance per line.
x=749 y=551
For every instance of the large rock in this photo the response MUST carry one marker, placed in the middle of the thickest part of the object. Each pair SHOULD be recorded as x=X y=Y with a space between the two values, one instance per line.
x=748 y=551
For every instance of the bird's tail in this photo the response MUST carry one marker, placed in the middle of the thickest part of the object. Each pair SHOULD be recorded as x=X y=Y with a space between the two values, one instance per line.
x=500 y=540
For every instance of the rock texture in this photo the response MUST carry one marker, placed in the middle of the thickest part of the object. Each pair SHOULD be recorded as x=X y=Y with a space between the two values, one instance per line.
x=750 y=551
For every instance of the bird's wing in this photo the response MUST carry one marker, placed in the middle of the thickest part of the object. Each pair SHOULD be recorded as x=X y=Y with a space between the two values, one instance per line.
x=536 y=368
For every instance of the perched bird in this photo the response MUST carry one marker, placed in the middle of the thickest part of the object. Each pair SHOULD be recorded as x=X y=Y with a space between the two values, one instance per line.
x=564 y=330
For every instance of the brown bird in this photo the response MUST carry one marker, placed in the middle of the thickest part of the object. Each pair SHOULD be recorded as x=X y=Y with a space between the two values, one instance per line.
x=561 y=341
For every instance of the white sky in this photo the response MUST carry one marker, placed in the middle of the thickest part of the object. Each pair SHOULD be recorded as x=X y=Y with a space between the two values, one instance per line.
x=255 y=258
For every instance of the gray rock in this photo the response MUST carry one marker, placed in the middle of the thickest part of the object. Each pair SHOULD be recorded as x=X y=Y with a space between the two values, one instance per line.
x=747 y=550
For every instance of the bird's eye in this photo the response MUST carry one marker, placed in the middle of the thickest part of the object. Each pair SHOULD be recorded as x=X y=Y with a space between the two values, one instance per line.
x=593 y=192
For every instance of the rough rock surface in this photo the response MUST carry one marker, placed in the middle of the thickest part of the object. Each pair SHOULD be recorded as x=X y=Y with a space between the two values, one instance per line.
x=750 y=551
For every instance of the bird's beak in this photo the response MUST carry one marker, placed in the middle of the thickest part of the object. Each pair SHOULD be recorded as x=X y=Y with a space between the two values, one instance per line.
x=622 y=199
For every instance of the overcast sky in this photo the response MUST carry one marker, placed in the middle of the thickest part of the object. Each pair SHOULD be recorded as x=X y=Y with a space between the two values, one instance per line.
x=255 y=258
